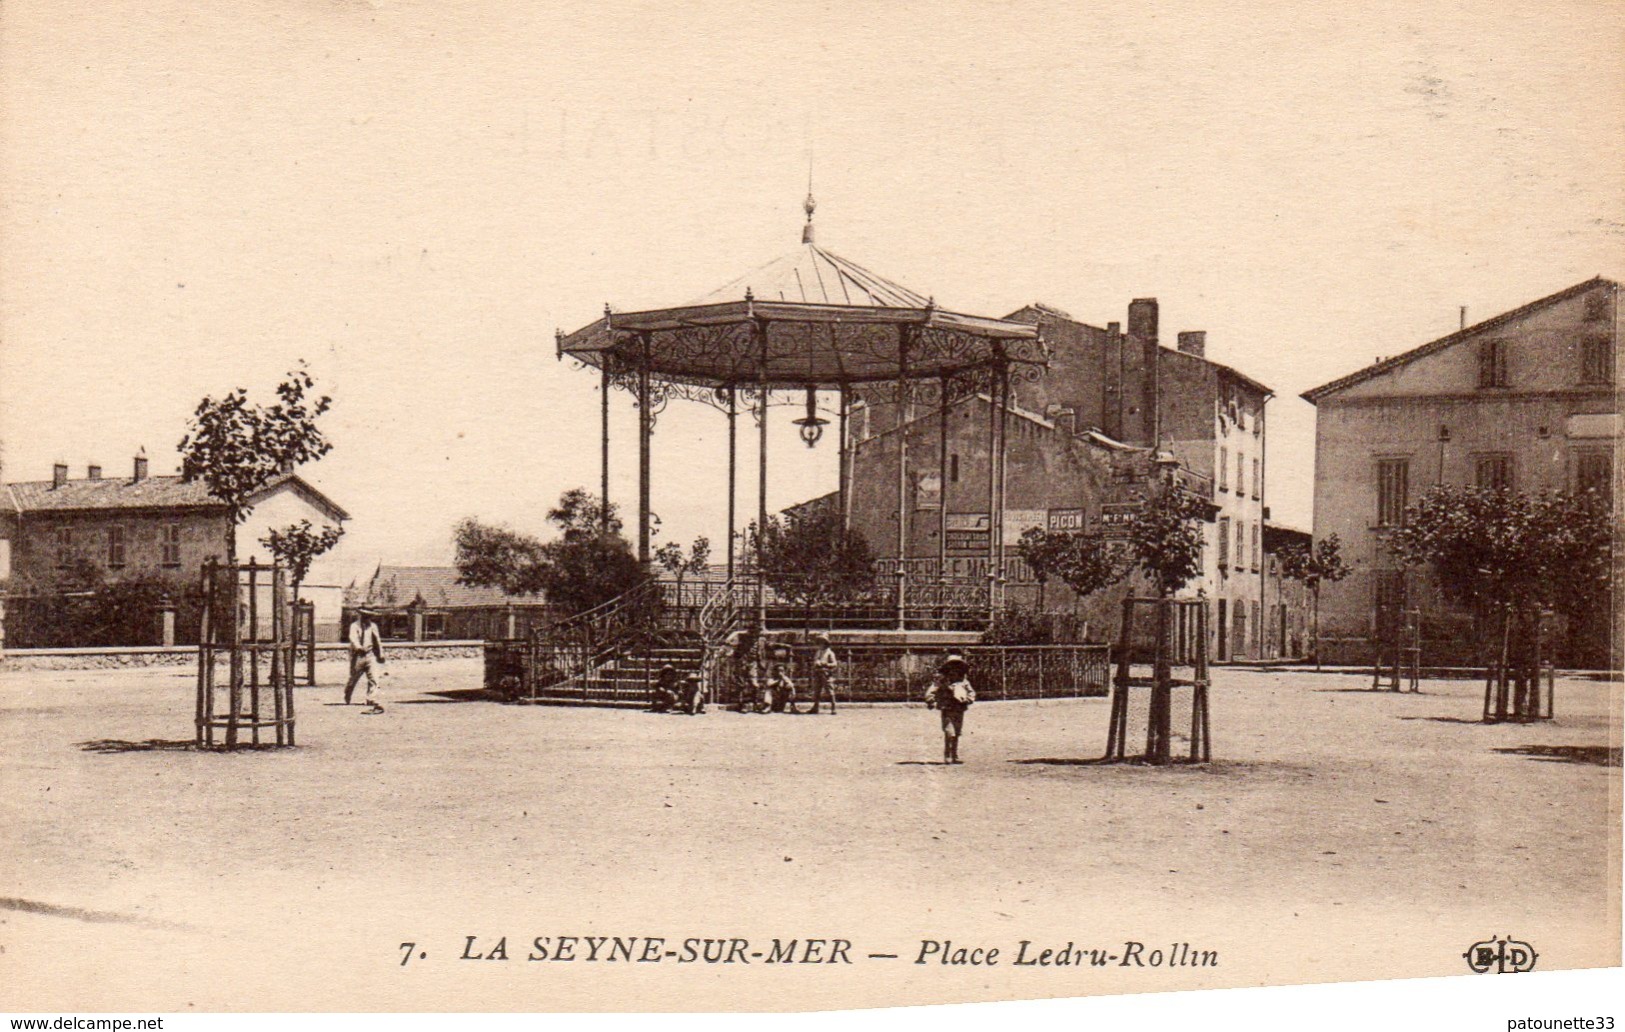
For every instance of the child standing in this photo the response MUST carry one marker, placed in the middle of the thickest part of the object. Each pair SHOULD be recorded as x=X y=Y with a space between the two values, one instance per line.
x=951 y=695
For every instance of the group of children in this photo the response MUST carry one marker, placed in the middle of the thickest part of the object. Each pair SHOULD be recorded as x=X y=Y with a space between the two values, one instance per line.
x=765 y=686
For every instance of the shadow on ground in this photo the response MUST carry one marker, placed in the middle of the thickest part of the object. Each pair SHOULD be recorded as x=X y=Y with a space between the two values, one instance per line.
x=454 y=695
x=31 y=906
x=1363 y=691
x=118 y=745
x=1446 y=720
x=114 y=746
x=1596 y=755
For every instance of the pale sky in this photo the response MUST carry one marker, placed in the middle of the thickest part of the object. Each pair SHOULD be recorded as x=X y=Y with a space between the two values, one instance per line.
x=414 y=196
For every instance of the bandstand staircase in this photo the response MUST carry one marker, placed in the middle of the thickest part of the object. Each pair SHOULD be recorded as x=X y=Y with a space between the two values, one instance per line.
x=611 y=655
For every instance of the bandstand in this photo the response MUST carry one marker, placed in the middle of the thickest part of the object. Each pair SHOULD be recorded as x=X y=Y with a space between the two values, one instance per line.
x=798 y=330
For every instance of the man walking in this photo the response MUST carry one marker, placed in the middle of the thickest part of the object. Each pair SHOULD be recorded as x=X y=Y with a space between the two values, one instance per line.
x=366 y=658
x=823 y=673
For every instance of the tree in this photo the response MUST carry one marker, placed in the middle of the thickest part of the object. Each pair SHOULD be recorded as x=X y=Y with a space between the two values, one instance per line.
x=236 y=447
x=1086 y=563
x=810 y=556
x=1165 y=537
x=672 y=557
x=1312 y=567
x=1165 y=543
x=588 y=564
x=1511 y=555
x=1041 y=551
x=297 y=545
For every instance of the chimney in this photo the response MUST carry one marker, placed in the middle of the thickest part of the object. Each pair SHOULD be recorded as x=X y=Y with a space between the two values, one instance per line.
x=1193 y=342
x=1142 y=318
x=140 y=466
x=93 y=471
x=59 y=475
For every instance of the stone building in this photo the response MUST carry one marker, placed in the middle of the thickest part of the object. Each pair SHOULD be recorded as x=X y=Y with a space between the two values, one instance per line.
x=1526 y=400
x=1286 y=602
x=1081 y=440
x=139 y=526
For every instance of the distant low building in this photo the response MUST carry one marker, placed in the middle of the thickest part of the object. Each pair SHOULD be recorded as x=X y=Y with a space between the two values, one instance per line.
x=428 y=603
x=1287 y=602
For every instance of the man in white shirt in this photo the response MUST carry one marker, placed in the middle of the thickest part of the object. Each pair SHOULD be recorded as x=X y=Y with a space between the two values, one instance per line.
x=366 y=657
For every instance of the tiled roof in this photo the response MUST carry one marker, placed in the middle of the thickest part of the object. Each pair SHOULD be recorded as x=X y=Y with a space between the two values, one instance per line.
x=1378 y=368
x=436 y=585
x=110 y=493
x=105 y=493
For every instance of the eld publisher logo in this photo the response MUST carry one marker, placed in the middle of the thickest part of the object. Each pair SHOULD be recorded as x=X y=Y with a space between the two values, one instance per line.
x=1501 y=956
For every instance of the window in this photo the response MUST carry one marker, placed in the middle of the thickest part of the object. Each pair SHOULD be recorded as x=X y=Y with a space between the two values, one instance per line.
x=1493 y=472
x=1594 y=471
x=1258 y=480
x=1241 y=474
x=1255 y=550
x=64 y=547
x=1224 y=542
x=953 y=468
x=115 y=547
x=1224 y=469
x=1492 y=363
x=434 y=626
x=1393 y=483
x=169 y=538
x=1596 y=360
x=1241 y=543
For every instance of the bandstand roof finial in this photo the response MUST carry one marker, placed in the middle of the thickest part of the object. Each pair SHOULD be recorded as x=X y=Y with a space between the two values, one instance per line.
x=809 y=206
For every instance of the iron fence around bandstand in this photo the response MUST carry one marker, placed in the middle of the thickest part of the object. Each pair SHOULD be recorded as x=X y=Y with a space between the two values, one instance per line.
x=901 y=673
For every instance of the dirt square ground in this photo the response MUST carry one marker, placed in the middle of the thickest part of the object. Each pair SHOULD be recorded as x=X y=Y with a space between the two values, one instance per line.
x=1342 y=834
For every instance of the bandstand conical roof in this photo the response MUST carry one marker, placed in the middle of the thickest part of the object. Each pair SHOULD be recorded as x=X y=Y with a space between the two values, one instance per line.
x=807 y=318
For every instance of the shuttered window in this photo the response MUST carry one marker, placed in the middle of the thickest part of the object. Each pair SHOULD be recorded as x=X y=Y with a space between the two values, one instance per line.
x=1224 y=542
x=1493 y=471
x=1492 y=363
x=170 y=538
x=1393 y=484
x=1596 y=360
x=1594 y=471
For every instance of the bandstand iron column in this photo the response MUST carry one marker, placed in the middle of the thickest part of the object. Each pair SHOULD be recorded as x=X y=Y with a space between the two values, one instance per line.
x=992 y=491
x=733 y=471
x=1004 y=447
x=902 y=477
x=942 y=478
x=603 y=418
x=645 y=429
x=844 y=463
x=760 y=330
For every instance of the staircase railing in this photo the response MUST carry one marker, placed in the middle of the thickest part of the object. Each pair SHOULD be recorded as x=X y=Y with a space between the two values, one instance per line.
x=564 y=654
x=719 y=618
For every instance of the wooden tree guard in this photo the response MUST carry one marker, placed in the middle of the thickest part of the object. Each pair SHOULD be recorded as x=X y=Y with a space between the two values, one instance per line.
x=303 y=626
x=1512 y=684
x=1181 y=641
x=245 y=652
x=1399 y=656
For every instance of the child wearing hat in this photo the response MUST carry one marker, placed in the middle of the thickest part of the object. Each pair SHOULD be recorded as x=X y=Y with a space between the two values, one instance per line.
x=951 y=695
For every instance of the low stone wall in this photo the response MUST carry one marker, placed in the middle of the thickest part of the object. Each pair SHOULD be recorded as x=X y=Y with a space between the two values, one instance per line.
x=186 y=655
